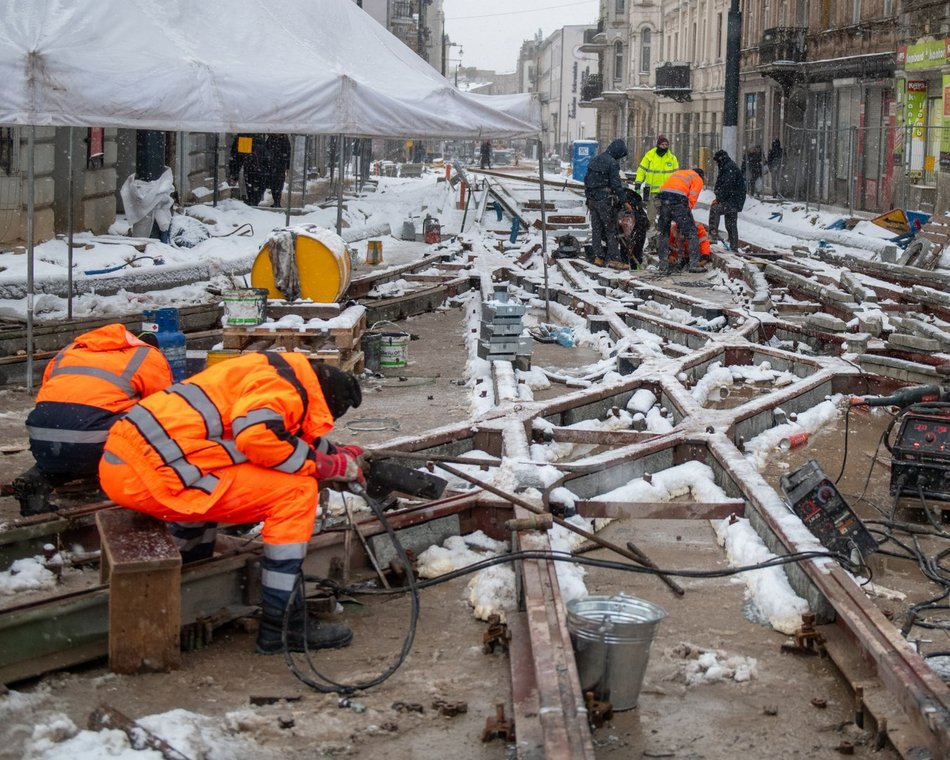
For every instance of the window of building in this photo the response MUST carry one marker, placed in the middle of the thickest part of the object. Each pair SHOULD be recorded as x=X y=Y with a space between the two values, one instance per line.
x=646 y=40
x=8 y=151
x=618 y=61
x=824 y=19
x=95 y=147
x=719 y=37
x=888 y=8
x=619 y=7
x=855 y=11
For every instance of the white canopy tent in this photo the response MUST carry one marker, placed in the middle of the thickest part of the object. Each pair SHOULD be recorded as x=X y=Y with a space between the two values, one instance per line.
x=297 y=66
x=294 y=66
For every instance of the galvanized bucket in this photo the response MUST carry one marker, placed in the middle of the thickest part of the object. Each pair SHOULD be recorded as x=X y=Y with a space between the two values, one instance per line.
x=612 y=636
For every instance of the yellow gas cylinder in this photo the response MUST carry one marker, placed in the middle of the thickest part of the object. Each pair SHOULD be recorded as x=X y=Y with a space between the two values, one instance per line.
x=323 y=264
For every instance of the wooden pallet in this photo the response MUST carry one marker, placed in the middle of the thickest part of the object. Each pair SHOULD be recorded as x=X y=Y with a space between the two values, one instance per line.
x=310 y=339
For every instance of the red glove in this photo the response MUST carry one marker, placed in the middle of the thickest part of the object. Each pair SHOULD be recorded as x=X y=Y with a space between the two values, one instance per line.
x=338 y=468
x=354 y=452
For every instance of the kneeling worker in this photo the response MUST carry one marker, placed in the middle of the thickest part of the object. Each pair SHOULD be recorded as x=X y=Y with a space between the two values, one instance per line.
x=678 y=256
x=677 y=197
x=86 y=388
x=241 y=442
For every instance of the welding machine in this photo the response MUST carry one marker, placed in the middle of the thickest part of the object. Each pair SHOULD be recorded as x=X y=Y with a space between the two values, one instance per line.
x=920 y=454
x=824 y=511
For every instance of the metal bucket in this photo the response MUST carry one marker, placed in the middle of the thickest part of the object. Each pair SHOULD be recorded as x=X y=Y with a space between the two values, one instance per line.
x=612 y=636
x=371 y=344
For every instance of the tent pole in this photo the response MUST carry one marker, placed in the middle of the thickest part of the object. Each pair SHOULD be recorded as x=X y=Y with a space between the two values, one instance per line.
x=30 y=208
x=69 y=229
x=544 y=232
x=290 y=181
x=339 y=186
x=214 y=195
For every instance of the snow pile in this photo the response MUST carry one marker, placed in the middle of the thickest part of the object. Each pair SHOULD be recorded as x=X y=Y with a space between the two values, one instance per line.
x=457 y=552
x=702 y=666
x=193 y=735
x=757 y=449
x=27 y=574
x=693 y=478
x=716 y=377
x=770 y=597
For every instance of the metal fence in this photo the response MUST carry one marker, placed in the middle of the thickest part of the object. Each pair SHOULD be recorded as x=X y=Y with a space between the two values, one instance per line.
x=867 y=169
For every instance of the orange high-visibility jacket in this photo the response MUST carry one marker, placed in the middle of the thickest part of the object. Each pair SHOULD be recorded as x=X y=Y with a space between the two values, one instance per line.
x=263 y=408
x=684 y=182
x=680 y=247
x=108 y=368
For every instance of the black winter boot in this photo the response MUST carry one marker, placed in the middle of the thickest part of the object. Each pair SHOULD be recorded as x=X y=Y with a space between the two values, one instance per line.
x=318 y=635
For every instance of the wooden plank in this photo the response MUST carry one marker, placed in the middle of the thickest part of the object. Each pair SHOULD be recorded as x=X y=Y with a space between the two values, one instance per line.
x=143 y=568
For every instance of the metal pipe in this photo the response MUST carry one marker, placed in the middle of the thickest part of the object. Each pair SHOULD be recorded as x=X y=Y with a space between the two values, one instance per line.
x=339 y=185
x=30 y=209
x=544 y=232
x=69 y=227
x=626 y=553
x=214 y=170
x=854 y=179
x=290 y=182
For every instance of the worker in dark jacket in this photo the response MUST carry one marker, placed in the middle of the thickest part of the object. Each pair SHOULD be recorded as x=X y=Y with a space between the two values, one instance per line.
x=730 y=198
x=678 y=196
x=276 y=158
x=604 y=191
x=247 y=156
x=86 y=388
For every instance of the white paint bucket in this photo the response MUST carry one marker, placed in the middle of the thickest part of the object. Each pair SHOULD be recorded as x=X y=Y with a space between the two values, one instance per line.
x=394 y=351
x=244 y=307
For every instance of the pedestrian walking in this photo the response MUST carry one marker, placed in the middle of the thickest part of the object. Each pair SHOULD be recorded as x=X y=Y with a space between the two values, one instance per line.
x=752 y=169
x=775 y=160
x=276 y=159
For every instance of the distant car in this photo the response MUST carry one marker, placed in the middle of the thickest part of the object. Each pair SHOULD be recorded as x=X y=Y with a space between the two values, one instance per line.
x=502 y=157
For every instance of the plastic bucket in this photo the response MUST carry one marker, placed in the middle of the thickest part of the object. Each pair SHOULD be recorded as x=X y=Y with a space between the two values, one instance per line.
x=216 y=356
x=244 y=307
x=323 y=265
x=612 y=636
x=394 y=349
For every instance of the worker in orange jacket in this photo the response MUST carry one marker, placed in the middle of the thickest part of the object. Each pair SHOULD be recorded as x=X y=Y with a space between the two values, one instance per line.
x=86 y=388
x=678 y=256
x=241 y=442
x=678 y=196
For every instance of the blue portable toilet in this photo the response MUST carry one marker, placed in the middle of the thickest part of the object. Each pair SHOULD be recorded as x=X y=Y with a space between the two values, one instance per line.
x=582 y=151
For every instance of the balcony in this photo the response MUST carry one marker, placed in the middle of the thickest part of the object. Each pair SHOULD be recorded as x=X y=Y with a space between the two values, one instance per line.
x=592 y=88
x=594 y=39
x=782 y=54
x=673 y=81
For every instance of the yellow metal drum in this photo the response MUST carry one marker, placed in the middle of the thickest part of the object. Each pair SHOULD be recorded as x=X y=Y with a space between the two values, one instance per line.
x=323 y=265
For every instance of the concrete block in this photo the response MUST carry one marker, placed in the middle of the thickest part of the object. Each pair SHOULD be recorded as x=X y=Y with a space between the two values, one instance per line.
x=857 y=342
x=872 y=324
x=906 y=342
x=889 y=254
x=822 y=321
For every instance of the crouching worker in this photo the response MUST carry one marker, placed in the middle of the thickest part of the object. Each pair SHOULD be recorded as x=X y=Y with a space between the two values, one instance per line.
x=678 y=256
x=86 y=388
x=241 y=442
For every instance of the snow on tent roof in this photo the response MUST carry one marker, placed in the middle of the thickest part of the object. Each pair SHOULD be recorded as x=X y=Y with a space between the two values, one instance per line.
x=293 y=66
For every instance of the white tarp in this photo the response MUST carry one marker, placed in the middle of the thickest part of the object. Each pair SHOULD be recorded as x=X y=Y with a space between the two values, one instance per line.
x=296 y=66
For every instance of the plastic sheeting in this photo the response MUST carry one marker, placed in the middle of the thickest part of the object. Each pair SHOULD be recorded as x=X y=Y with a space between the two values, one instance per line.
x=295 y=66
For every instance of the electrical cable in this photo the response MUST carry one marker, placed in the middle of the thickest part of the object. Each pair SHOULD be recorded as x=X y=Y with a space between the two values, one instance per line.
x=328 y=685
x=844 y=455
x=776 y=561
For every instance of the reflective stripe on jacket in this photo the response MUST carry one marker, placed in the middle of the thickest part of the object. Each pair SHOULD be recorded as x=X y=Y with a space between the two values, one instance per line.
x=92 y=382
x=655 y=170
x=265 y=408
x=684 y=182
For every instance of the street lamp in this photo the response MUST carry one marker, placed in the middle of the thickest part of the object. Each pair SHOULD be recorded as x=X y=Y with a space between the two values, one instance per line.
x=445 y=46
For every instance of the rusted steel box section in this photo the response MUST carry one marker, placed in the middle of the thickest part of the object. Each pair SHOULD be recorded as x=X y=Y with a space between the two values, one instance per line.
x=797 y=338
x=757 y=417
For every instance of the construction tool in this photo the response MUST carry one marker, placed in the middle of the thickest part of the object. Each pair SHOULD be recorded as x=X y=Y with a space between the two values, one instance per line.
x=385 y=478
x=647 y=562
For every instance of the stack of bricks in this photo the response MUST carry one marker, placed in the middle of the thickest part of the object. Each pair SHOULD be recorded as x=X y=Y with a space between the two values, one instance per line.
x=330 y=335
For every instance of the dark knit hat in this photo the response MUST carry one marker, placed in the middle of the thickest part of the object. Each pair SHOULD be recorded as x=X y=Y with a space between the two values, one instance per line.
x=341 y=390
x=719 y=155
x=661 y=139
x=700 y=172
